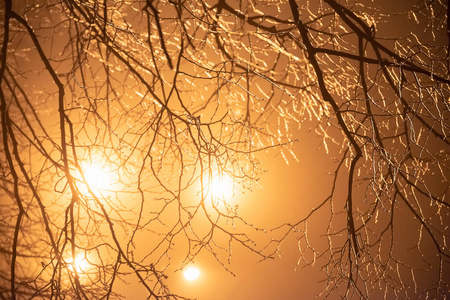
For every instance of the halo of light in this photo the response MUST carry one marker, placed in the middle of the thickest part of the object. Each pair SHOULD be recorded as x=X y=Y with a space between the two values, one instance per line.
x=80 y=264
x=191 y=273
x=222 y=187
x=96 y=176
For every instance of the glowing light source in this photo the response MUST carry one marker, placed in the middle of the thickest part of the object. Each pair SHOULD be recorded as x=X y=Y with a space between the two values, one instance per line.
x=191 y=273
x=222 y=187
x=80 y=264
x=97 y=176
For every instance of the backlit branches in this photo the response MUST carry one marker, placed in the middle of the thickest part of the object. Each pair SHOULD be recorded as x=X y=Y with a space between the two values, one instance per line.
x=165 y=97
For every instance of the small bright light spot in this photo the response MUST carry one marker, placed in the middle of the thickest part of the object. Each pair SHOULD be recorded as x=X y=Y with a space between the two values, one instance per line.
x=191 y=273
x=222 y=187
x=237 y=113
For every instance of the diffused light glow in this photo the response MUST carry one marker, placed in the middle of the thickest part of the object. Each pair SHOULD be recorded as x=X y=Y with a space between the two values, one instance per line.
x=191 y=273
x=80 y=264
x=222 y=187
x=97 y=177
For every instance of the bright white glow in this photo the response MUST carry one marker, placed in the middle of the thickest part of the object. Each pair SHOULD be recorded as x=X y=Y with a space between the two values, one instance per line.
x=80 y=264
x=97 y=177
x=222 y=187
x=191 y=273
